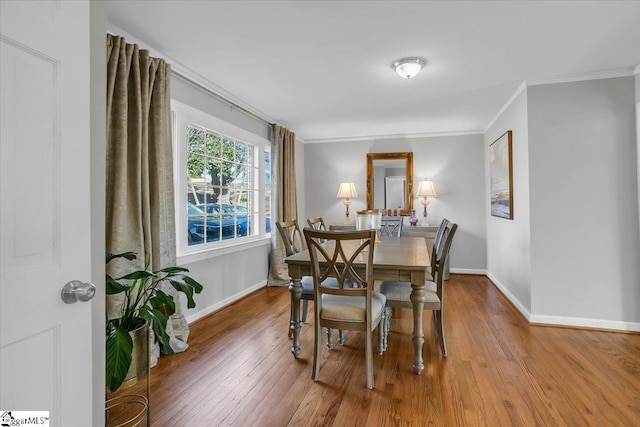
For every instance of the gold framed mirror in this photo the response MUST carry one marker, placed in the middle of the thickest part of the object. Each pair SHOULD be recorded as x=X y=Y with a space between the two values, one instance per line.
x=376 y=183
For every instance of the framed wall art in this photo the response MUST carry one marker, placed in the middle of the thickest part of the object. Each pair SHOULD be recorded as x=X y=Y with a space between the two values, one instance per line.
x=501 y=176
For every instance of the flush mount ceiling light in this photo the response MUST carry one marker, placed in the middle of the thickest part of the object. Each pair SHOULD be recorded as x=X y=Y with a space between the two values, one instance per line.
x=408 y=67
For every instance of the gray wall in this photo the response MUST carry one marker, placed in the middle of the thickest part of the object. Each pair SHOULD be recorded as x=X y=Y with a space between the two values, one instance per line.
x=584 y=199
x=226 y=278
x=508 y=241
x=571 y=255
x=454 y=163
x=197 y=98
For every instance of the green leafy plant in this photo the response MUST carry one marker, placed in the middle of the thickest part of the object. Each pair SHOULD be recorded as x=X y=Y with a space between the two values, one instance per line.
x=143 y=301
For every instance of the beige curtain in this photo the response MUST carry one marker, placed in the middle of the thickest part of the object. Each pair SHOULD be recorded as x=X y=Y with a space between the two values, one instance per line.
x=140 y=204
x=284 y=199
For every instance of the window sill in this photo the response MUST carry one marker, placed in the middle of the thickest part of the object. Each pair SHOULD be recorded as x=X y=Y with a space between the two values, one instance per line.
x=223 y=250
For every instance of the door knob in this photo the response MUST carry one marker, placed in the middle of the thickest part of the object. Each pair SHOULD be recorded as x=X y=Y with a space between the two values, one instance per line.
x=76 y=290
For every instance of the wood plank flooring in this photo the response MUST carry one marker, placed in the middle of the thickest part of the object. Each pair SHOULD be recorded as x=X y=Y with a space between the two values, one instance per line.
x=500 y=371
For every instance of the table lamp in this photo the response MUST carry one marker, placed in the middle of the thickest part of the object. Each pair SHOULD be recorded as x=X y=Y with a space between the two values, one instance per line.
x=425 y=189
x=347 y=190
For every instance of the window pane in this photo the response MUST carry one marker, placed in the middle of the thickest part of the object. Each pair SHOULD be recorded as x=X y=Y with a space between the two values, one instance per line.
x=243 y=176
x=195 y=140
x=214 y=144
x=228 y=149
x=196 y=232
x=242 y=153
x=267 y=190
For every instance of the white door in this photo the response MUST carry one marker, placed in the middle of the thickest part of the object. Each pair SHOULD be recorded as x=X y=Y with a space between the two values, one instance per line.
x=45 y=344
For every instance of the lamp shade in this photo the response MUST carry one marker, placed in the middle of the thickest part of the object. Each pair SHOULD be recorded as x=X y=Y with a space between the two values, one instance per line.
x=425 y=188
x=347 y=189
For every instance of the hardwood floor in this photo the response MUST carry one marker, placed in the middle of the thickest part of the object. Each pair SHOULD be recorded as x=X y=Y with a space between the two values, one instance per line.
x=500 y=371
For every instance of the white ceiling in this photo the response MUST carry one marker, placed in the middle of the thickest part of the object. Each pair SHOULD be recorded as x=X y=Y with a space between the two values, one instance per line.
x=323 y=68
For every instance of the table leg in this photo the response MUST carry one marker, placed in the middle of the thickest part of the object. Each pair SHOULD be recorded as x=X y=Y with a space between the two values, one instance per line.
x=417 y=301
x=295 y=288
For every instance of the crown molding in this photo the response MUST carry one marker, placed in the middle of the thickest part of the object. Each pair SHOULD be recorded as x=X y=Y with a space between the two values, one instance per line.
x=506 y=105
x=609 y=74
x=394 y=136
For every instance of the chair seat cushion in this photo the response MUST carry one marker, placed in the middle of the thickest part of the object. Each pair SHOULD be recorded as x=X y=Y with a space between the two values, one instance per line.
x=401 y=291
x=307 y=285
x=351 y=308
x=332 y=282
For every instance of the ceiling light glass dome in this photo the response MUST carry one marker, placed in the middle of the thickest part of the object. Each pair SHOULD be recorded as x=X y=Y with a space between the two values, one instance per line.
x=408 y=67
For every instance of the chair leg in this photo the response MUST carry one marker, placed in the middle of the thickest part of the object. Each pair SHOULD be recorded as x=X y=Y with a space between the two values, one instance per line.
x=317 y=351
x=369 y=358
x=329 y=338
x=440 y=330
x=381 y=325
x=435 y=324
x=305 y=306
x=387 y=324
x=340 y=336
x=291 y=323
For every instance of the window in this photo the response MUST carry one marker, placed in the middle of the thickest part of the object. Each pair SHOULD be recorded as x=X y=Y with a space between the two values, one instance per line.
x=223 y=182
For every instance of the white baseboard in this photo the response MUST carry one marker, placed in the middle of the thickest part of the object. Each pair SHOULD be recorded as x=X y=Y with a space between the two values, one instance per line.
x=576 y=322
x=540 y=319
x=468 y=271
x=510 y=296
x=217 y=306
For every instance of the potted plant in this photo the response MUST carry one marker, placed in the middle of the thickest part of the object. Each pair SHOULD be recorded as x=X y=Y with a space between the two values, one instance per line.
x=144 y=305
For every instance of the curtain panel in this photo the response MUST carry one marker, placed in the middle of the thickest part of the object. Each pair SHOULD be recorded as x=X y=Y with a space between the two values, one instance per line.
x=140 y=214
x=285 y=203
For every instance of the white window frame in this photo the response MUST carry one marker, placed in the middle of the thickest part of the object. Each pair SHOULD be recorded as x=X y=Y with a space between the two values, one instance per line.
x=184 y=115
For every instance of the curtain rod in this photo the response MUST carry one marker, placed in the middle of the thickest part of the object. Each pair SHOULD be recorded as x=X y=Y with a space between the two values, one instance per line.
x=220 y=97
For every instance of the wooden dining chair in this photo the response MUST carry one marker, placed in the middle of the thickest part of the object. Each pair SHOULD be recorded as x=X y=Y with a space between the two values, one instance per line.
x=398 y=293
x=293 y=241
x=342 y=255
x=316 y=223
x=437 y=241
x=391 y=226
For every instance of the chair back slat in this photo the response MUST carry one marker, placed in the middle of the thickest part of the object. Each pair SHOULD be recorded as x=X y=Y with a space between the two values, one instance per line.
x=341 y=255
x=442 y=255
x=437 y=241
x=391 y=226
x=291 y=235
x=316 y=223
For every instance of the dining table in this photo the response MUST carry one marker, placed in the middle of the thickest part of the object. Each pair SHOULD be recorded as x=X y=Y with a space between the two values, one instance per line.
x=395 y=258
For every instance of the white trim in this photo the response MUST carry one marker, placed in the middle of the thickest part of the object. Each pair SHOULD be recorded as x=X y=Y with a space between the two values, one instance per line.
x=506 y=105
x=474 y=271
x=220 y=304
x=636 y=71
x=510 y=296
x=209 y=253
x=610 y=74
x=541 y=319
x=394 y=136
